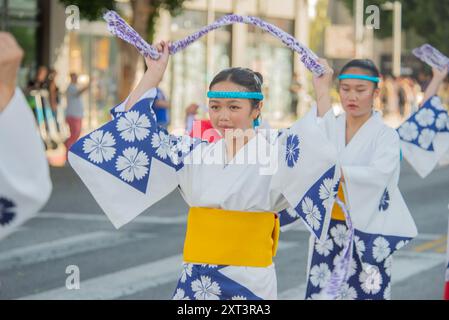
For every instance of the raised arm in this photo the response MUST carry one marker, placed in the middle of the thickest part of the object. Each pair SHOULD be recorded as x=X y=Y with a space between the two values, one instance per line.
x=152 y=76
x=322 y=86
x=434 y=85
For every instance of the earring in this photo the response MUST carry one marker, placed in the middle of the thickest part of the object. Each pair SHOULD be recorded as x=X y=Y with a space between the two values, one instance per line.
x=256 y=123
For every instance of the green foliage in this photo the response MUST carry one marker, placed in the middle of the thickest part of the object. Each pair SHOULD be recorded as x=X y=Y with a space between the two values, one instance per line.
x=91 y=10
x=428 y=19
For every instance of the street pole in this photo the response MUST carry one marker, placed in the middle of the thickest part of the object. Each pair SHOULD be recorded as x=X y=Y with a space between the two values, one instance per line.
x=397 y=38
x=358 y=9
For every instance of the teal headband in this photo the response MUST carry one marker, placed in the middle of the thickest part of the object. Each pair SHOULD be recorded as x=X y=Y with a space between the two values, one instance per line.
x=235 y=95
x=359 y=76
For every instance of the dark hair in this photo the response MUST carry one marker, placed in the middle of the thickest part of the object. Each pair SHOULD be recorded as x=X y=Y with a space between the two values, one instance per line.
x=247 y=78
x=364 y=64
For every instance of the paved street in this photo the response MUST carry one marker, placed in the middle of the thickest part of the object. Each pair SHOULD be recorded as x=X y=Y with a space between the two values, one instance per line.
x=142 y=260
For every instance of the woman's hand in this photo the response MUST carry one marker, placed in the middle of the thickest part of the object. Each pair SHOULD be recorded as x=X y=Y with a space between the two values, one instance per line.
x=322 y=86
x=153 y=76
x=434 y=85
x=156 y=68
x=440 y=75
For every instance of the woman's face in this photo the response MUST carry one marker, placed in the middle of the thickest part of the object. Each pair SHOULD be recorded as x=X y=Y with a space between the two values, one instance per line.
x=357 y=96
x=228 y=114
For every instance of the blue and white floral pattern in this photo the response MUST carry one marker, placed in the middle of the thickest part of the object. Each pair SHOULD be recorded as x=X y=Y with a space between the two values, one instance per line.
x=292 y=150
x=126 y=146
x=312 y=208
x=369 y=275
x=133 y=125
x=100 y=146
x=421 y=127
x=312 y=213
x=7 y=212
x=206 y=282
x=132 y=164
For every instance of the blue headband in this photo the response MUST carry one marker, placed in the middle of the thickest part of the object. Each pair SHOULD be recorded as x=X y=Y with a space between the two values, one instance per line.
x=359 y=76
x=235 y=94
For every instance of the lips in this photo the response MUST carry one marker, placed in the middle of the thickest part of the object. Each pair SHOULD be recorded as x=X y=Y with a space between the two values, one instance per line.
x=353 y=106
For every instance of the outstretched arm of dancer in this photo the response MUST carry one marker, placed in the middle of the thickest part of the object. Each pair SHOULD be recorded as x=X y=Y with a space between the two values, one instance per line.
x=434 y=85
x=322 y=86
x=152 y=76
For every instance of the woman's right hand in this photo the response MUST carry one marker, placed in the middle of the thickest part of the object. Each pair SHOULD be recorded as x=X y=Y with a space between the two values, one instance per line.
x=440 y=75
x=156 y=68
x=152 y=76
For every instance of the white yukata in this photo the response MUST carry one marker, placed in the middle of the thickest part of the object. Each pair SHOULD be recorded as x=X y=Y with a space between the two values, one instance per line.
x=425 y=136
x=25 y=184
x=379 y=216
x=130 y=163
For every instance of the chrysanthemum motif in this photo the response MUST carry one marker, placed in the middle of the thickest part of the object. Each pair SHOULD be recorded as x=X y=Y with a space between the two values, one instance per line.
x=180 y=295
x=206 y=289
x=436 y=103
x=325 y=247
x=161 y=142
x=100 y=146
x=186 y=271
x=327 y=193
x=292 y=150
x=381 y=249
x=401 y=244
x=347 y=293
x=133 y=125
x=312 y=213
x=320 y=275
x=359 y=245
x=340 y=234
x=388 y=265
x=132 y=164
x=7 y=213
x=426 y=137
x=442 y=121
x=408 y=131
x=425 y=117
x=370 y=279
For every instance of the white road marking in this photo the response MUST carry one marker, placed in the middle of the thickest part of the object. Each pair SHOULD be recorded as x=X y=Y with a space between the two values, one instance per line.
x=126 y=282
x=65 y=247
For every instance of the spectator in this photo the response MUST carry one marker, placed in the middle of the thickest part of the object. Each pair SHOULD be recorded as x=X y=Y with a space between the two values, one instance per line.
x=75 y=110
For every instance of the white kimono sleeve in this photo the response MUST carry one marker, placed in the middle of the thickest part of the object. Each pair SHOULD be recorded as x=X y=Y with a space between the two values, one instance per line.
x=425 y=136
x=307 y=175
x=25 y=184
x=377 y=209
x=130 y=163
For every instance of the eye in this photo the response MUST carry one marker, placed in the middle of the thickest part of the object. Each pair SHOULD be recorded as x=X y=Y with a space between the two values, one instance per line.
x=214 y=107
x=234 y=107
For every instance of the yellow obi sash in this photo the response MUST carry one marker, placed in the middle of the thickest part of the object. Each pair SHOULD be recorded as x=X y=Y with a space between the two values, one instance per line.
x=337 y=213
x=235 y=238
